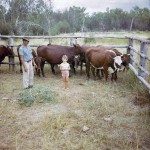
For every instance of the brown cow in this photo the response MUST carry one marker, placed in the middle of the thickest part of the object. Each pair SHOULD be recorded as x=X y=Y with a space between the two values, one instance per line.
x=5 y=51
x=100 y=59
x=86 y=48
x=125 y=57
x=53 y=54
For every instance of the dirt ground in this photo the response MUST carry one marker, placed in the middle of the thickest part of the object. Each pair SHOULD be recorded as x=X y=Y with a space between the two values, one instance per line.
x=90 y=115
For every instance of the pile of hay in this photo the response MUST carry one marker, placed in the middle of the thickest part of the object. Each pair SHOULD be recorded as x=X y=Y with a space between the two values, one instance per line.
x=38 y=94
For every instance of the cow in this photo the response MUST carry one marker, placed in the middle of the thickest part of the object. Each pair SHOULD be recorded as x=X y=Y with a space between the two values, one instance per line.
x=106 y=60
x=86 y=48
x=5 y=51
x=125 y=58
x=75 y=62
x=53 y=55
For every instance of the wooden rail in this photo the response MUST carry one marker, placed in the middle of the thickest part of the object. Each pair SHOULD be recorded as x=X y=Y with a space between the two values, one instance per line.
x=141 y=73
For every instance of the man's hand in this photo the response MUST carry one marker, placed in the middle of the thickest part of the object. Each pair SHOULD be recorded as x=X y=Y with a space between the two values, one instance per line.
x=25 y=69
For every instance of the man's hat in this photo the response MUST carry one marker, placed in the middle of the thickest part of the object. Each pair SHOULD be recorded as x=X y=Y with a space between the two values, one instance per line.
x=25 y=39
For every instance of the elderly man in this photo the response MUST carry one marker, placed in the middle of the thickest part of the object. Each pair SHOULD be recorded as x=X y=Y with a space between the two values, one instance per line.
x=27 y=61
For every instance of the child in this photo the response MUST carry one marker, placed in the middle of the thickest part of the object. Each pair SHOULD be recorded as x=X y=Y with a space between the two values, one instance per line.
x=65 y=67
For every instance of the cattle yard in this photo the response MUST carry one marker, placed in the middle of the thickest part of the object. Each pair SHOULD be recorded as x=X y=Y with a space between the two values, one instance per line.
x=90 y=115
x=139 y=62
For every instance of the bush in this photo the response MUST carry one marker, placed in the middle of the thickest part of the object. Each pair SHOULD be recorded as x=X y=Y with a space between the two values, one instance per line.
x=38 y=94
x=5 y=29
x=60 y=27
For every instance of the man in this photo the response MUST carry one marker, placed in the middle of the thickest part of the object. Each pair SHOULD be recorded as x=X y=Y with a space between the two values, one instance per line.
x=27 y=61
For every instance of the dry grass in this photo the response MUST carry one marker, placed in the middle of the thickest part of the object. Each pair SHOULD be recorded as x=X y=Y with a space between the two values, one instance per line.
x=58 y=124
x=117 y=114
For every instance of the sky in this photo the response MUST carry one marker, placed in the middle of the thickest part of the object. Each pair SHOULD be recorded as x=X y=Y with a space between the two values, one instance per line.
x=100 y=5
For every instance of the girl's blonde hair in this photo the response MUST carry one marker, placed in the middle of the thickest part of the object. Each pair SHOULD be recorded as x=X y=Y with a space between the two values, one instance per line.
x=65 y=57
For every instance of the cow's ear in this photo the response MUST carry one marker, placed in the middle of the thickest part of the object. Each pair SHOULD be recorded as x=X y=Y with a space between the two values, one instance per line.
x=122 y=56
x=76 y=45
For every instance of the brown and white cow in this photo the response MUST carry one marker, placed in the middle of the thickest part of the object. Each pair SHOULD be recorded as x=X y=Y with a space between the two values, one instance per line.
x=86 y=48
x=106 y=60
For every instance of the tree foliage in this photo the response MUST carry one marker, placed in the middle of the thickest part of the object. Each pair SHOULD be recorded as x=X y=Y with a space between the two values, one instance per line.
x=28 y=17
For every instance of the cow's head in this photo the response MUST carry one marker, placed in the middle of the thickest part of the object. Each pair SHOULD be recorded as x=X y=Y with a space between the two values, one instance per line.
x=9 y=51
x=125 y=60
x=78 y=48
x=34 y=53
x=38 y=61
x=117 y=62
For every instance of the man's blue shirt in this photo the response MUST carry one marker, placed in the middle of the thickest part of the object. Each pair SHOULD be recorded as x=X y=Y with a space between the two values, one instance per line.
x=26 y=52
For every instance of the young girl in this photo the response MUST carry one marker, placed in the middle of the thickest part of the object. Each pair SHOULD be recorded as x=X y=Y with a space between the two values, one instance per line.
x=65 y=67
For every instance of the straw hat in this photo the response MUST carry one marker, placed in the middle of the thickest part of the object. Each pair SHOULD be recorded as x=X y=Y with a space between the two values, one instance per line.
x=25 y=39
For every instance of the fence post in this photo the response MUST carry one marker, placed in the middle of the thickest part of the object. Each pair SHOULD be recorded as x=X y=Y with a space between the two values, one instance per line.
x=49 y=41
x=71 y=41
x=130 y=51
x=11 y=58
x=143 y=50
x=76 y=41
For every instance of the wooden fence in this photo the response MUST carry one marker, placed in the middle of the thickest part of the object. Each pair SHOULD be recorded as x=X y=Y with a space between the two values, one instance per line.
x=141 y=70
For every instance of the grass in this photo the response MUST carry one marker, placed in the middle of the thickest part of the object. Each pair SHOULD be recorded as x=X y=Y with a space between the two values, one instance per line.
x=117 y=114
x=38 y=94
x=58 y=124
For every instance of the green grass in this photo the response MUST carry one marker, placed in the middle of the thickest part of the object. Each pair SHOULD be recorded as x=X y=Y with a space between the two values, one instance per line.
x=38 y=94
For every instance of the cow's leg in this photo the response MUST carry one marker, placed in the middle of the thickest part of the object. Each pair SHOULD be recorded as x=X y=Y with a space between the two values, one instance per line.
x=106 y=73
x=88 y=69
x=52 y=68
x=93 y=72
x=42 y=68
x=81 y=65
x=98 y=73
x=21 y=68
x=112 y=76
x=73 y=67
x=36 y=70
x=102 y=73
x=39 y=72
x=115 y=75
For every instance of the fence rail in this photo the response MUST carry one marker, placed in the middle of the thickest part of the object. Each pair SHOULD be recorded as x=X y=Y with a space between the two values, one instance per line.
x=142 y=69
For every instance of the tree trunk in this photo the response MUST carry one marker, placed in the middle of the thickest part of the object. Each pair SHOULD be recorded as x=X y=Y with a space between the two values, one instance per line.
x=131 y=24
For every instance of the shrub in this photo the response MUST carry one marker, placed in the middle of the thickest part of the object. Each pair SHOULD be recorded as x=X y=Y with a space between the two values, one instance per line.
x=5 y=29
x=38 y=94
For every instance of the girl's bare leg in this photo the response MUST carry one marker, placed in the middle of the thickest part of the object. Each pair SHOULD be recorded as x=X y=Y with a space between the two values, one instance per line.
x=66 y=82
